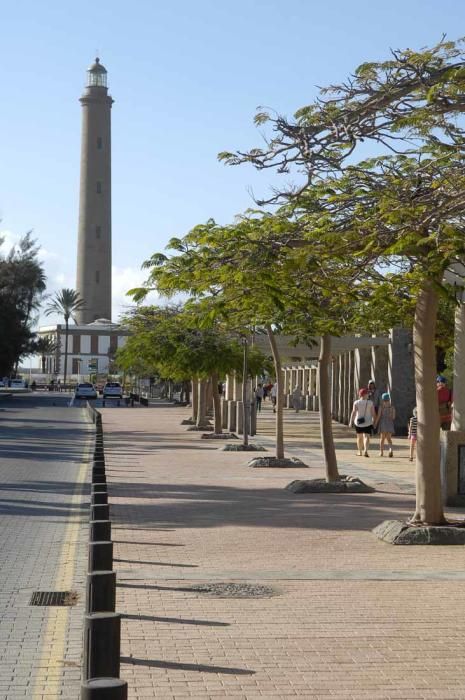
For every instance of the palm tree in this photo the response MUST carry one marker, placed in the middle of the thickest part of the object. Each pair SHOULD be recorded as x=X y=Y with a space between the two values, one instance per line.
x=44 y=346
x=66 y=303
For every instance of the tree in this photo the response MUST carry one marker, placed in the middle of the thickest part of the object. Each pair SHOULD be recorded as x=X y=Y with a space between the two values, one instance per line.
x=182 y=343
x=406 y=215
x=44 y=346
x=22 y=284
x=406 y=106
x=65 y=303
x=259 y=272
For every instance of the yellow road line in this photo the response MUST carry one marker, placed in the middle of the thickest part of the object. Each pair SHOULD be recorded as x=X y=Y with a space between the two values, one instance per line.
x=49 y=676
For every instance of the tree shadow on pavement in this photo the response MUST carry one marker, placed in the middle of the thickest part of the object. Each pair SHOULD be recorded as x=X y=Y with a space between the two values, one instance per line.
x=176 y=620
x=200 y=505
x=203 y=668
x=155 y=563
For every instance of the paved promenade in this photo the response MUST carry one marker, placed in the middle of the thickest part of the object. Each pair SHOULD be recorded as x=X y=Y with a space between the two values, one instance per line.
x=346 y=617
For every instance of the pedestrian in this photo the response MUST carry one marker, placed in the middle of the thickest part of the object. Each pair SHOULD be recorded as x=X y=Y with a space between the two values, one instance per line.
x=265 y=392
x=445 y=400
x=362 y=417
x=412 y=433
x=273 y=395
x=296 y=398
x=259 y=397
x=385 y=423
x=374 y=394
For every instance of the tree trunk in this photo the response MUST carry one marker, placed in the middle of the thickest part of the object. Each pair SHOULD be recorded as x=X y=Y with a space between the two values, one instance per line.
x=216 y=404
x=66 y=353
x=43 y=364
x=429 y=508
x=279 y=394
x=202 y=421
x=326 y=426
x=195 y=399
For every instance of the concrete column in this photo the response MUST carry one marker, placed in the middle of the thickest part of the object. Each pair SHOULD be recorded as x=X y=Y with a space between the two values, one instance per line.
x=340 y=390
x=313 y=381
x=240 y=414
x=351 y=395
x=335 y=387
x=401 y=377
x=287 y=379
x=237 y=389
x=380 y=367
x=229 y=390
x=345 y=386
x=224 y=413
x=362 y=368
x=306 y=382
x=458 y=422
x=232 y=417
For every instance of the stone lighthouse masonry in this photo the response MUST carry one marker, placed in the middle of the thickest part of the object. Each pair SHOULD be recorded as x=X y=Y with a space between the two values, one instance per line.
x=93 y=280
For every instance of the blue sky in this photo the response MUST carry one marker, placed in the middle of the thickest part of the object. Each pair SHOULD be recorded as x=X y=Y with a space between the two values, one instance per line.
x=186 y=78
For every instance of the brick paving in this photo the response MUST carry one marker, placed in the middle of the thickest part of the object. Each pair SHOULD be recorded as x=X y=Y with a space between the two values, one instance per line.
x=351 y=617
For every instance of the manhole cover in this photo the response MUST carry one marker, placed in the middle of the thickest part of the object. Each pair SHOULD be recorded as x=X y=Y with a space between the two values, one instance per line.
x=53 y=598
x=235 y=590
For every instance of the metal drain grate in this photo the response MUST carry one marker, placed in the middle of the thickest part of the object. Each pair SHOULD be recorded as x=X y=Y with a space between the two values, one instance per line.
x=235 y=590
x=53 y=598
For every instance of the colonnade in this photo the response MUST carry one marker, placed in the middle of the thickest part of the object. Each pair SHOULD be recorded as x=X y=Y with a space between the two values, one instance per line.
x=388 y=360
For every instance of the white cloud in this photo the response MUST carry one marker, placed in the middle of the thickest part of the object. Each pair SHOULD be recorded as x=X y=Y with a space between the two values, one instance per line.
x=60 y=274
x=124 y=279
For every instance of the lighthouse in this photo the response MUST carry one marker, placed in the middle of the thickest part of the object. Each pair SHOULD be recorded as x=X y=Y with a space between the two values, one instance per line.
x=93 y=277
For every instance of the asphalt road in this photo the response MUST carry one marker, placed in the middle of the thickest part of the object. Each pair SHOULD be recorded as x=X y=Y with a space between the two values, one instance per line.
x=44 y=448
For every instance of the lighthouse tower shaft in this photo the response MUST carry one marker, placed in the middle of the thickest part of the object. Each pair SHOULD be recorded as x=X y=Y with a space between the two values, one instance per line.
x=93 y=280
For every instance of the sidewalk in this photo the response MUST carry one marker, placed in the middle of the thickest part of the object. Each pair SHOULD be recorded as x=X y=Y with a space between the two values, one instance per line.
x=349 y=616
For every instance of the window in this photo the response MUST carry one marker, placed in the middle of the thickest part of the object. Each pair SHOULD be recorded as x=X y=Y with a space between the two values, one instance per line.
x=94 y=344
x=98 y=231
x=76 y=345
x=99 y=187
x=97 y=276
x=99 y=143
x=76 y=366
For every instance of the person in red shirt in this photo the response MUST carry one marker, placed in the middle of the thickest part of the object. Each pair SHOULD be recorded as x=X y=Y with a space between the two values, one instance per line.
x=445 y=400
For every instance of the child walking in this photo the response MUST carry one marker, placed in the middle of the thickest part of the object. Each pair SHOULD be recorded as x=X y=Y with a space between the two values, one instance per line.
x=412 y=433
x=385 y=423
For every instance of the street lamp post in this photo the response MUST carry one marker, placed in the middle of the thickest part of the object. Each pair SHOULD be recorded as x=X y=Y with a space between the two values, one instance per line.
x=245 y=412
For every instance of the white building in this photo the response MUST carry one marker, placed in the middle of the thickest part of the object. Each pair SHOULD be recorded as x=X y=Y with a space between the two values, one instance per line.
x=91 y=348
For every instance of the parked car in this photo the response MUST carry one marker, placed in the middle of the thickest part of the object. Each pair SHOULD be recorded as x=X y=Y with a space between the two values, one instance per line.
x=85 y=390
x=112 y=390
x=17 y=384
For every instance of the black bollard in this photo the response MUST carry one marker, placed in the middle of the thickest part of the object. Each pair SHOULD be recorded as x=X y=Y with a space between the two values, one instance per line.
x=99 y=498
x=102 y=635
x=101 y=591
x=98 y=470
x=99 y=479
x=104 y=689
x=98 y=488
x=100 y=531
x=100 y=512
x=100 y=556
